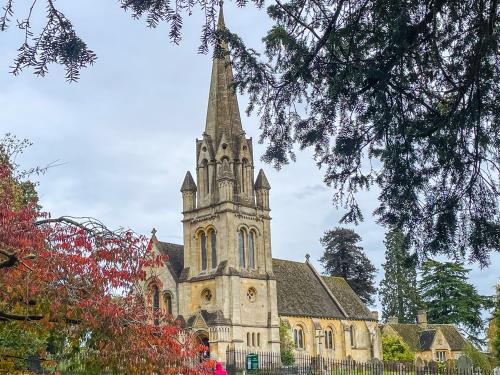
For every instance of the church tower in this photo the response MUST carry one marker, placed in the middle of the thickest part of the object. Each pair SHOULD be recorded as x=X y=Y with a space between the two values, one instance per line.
x=227 y=289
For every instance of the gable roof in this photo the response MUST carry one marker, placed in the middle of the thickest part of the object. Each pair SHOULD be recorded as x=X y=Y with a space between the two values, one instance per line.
x=419 y=337
x=175 y=254
x=347 y=298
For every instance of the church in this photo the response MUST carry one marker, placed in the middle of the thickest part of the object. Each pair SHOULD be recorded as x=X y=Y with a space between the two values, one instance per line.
x=223 y=282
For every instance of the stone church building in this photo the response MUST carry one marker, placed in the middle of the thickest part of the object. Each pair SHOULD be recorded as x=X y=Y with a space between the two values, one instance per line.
x=223 y=281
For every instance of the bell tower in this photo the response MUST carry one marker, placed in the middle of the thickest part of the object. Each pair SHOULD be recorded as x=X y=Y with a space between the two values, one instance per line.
x=227 y=235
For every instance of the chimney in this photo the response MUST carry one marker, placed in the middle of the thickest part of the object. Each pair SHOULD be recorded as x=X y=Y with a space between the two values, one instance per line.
x=375 y=315
x=393 y=320
x=422 y=317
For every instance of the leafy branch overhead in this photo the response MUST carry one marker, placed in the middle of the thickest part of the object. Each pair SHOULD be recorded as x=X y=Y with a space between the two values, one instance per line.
x=401 y=95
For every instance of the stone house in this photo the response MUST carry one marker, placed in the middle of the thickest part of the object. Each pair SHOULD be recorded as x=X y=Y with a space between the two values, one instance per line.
x=223 y=281
x=430 y=342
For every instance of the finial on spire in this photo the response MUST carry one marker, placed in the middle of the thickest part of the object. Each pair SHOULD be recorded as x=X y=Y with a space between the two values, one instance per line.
x=153 y=231
x=307 y=257
x=220 y=24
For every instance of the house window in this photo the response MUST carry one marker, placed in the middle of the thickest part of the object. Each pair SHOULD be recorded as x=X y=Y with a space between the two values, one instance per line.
x=213 y=245
x=241 y=239
x=441 y=355
x=203 y=241
x=329 y=339
x=168 y=303
x=298 y=337
x=251 y=250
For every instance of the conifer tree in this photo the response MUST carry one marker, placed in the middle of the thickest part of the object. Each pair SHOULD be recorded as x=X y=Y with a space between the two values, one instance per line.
x=495 y=329
x=343 y=257
x=451 y=299
x=398 y=290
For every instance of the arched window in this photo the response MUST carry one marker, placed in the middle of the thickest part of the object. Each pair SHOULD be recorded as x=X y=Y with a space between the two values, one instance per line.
x=244 y=164
x=329 y=339
x=203 y=244
x=251 y=250
x=168 y=303
x=298 y=337
x=248 y=338
x=253 y=339
x=206 y=178
x=352 y=334
x=241 y=240
x=155 y=299
x=155 y=294
x=213 y=246
x=258 y=339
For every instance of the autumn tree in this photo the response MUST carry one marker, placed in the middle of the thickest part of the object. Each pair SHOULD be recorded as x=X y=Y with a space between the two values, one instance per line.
x=344 y=257
x=398 y=289
x=452 y=299
x=403 y=95
x=71 y=289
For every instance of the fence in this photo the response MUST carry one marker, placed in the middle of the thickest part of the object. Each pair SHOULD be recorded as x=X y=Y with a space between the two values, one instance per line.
x=268 y=363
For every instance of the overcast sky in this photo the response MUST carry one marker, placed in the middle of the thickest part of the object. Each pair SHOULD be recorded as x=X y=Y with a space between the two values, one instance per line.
x=125 y=134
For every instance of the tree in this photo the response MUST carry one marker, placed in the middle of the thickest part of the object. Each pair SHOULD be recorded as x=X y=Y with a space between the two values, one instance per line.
x=71 y=290
x=286 y=345
x=494 y=330
x=451 y=299
x=394 y=349
x=402 y=95
x=398 y=289
x=343 y=257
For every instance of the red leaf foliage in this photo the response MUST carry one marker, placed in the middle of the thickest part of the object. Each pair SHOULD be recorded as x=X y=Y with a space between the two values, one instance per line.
x=76 y=276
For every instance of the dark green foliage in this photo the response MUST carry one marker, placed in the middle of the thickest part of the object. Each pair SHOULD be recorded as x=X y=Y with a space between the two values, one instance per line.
x=398 y=289
x=402 y=94
x=451 y=299
x=343 y=257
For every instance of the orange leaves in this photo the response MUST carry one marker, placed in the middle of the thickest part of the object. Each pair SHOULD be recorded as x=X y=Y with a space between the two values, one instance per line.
x=75 y=275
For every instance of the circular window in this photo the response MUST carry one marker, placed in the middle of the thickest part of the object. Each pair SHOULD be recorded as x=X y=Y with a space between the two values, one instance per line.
x=244 y=147
x=206 y=295
x=251 y=294
x=204 y=149
x=224 y=146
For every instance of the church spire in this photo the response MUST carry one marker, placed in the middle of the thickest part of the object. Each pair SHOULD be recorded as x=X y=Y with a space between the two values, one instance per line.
x=223 y=115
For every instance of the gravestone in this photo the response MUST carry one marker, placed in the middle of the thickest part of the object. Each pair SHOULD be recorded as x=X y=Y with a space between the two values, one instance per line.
x=420 y=366
x=375 y=367
x=464 y=365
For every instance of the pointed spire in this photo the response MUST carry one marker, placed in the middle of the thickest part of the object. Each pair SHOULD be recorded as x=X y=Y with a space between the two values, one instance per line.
x=261 y=181
x=220 y=23
x=223 y=114
x=188 y=184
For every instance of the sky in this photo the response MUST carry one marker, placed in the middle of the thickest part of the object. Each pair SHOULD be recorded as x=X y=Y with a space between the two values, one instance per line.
x=123 y=137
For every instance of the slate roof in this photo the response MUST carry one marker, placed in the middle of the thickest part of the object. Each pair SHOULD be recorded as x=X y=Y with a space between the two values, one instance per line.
x=419 y=337
x=300 y=292
x=211 y=318
x=347 y=298
x=426 y=339
x=175 y=255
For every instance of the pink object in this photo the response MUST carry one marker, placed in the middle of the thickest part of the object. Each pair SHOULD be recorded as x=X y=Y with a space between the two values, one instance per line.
x=219 y=370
